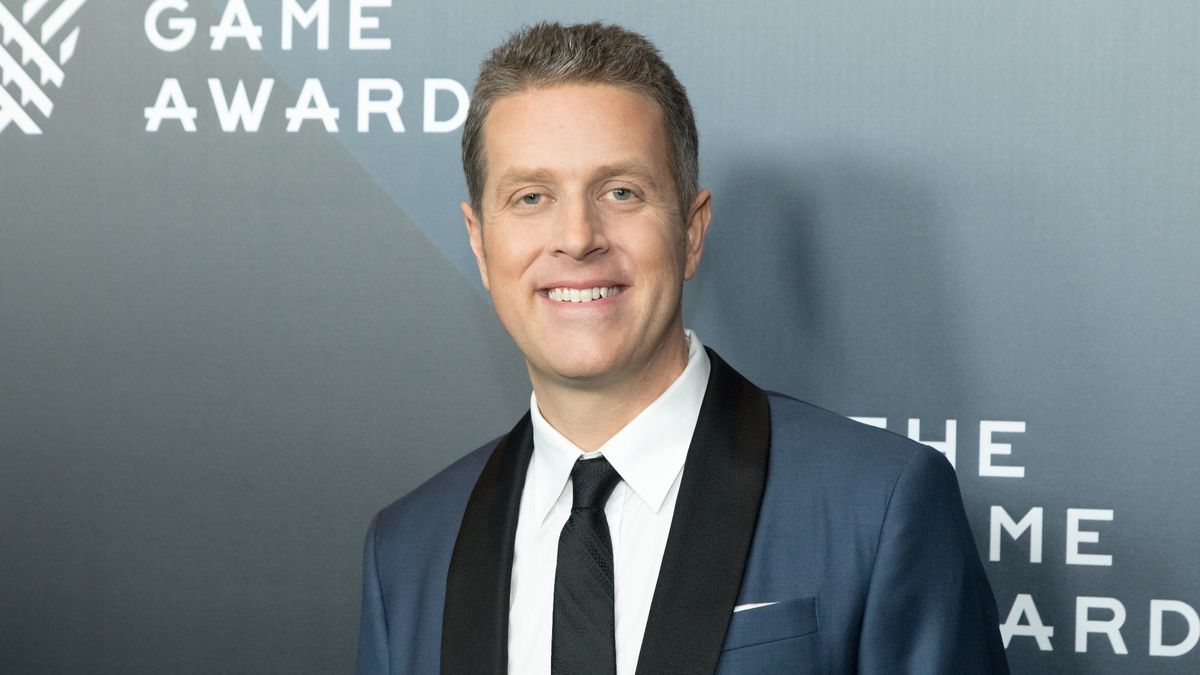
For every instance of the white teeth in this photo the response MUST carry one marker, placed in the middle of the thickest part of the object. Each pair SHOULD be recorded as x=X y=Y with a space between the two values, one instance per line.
x=581 y=294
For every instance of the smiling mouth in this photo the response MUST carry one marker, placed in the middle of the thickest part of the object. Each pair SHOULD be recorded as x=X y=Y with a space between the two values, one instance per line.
x=581 y=294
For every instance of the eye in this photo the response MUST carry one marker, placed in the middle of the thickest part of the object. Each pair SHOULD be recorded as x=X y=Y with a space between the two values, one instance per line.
x=621 y=194
x=531 y=198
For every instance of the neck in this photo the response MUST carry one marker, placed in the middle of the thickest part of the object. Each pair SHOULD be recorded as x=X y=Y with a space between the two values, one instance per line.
x=589 y=414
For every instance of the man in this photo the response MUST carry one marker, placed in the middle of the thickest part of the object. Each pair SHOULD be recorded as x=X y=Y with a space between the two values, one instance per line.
x=654 y=512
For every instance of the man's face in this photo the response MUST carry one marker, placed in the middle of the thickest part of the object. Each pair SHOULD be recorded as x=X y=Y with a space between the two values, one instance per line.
x=579 y=202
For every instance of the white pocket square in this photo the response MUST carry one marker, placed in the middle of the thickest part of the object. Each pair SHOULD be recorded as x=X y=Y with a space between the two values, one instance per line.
x=753 y=605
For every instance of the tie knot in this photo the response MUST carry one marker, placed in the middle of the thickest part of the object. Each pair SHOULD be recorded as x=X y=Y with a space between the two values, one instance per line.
x=593 y=480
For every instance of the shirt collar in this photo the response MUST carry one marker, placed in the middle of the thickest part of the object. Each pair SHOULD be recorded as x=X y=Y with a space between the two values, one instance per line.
x=649 y=452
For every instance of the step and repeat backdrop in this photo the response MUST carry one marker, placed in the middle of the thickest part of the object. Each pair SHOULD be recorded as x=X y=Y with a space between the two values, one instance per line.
x=238 y=313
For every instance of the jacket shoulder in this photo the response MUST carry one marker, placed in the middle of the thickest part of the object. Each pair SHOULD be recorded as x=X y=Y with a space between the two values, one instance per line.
x=405 y=557
x=436 y=504
x=808 y=438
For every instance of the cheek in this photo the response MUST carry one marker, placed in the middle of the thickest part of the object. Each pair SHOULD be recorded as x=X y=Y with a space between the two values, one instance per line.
x=666 y=253
x=507 y=264
x=652 y=239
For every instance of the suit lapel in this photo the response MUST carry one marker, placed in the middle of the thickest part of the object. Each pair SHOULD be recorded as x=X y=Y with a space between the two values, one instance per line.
x=702 y=565
x=475 y=618
x=712 y=528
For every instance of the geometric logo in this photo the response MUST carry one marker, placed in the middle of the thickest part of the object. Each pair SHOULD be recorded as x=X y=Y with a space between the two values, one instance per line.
x=27 y=61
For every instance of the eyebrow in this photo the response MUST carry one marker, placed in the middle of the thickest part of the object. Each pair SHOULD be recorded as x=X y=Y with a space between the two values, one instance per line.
x=518 y=176
x=633 y=169
x=636 y=170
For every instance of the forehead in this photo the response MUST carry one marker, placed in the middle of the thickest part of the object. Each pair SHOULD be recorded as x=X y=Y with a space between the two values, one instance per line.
x=571 y=128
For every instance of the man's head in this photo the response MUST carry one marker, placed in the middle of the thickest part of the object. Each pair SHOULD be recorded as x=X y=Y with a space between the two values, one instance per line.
x=587 y=244
x=550 y=54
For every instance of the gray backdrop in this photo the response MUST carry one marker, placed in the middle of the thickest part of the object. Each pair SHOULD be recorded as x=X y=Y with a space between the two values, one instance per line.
x=221 y=352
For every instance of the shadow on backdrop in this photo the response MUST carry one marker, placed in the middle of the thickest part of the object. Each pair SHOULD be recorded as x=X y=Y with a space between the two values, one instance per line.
x=824 y=278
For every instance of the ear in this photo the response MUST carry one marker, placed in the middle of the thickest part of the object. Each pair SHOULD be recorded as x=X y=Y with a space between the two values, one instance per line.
x=696 y=228
x=475 y=234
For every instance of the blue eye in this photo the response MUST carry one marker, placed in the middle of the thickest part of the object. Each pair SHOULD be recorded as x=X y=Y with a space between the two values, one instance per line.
x=621 y=194
x=531 y=198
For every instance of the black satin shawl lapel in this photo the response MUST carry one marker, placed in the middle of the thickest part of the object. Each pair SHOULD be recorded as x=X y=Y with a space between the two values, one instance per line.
x=475 y=618
x=712 y=528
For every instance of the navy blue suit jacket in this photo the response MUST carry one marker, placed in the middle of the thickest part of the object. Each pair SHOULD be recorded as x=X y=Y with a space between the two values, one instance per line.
x=858 y=535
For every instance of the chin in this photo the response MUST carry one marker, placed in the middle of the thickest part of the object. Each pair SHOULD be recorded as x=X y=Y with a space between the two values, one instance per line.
x=587 y=368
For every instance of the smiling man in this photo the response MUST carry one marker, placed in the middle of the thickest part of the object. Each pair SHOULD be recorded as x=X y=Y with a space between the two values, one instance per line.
x=585 y=250
x=654 y=512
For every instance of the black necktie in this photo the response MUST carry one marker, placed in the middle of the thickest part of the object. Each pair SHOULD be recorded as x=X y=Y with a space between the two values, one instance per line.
x=584 y=632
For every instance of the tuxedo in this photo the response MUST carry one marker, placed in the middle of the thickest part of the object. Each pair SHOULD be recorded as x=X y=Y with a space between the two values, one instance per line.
x=849 y=544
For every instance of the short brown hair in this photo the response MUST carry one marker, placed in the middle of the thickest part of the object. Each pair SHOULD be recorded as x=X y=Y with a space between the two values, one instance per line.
x=548 y=54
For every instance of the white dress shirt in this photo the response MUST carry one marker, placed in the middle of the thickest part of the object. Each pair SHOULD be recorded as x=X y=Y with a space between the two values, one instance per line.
x=649 y=453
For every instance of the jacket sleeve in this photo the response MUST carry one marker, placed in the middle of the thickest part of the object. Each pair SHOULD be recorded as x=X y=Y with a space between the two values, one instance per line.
x=372 y=629
x=929 y=606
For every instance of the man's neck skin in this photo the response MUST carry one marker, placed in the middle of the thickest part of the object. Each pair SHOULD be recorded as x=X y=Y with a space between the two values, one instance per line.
x=589 y=413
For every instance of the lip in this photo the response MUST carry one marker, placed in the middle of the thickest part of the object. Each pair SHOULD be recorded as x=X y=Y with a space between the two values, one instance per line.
x=581 y=284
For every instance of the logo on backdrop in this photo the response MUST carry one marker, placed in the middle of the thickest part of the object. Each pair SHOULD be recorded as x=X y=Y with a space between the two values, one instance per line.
x=241 y=107
x=33 y=51
x=1100 y=620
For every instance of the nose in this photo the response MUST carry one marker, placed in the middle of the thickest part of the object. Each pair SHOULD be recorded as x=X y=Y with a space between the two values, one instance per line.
x=580 y=231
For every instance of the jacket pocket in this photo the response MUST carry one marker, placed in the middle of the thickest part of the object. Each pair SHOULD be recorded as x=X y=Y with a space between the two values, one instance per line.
x=783 y=620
